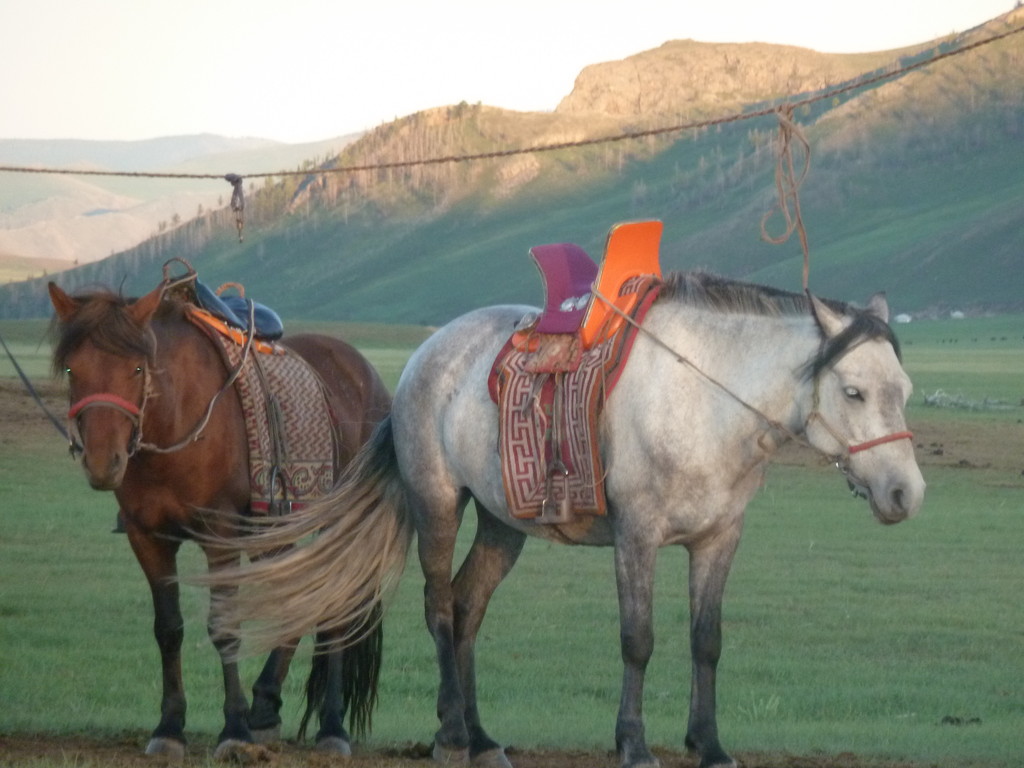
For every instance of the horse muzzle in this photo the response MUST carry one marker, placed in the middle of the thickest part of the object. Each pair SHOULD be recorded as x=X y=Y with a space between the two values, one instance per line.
x=893 y=498
x=106 y=446
x=109 y=476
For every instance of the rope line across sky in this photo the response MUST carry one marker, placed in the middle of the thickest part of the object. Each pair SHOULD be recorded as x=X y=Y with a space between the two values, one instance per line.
x=786 y=104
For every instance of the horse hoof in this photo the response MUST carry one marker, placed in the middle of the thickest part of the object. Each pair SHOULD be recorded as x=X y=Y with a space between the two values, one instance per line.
x=492 y=758
x=334 y=745
x=446 y=756
x=171 y=750
x=270 y=735
x=241 y=752
x=727 y=762
x=649 y=762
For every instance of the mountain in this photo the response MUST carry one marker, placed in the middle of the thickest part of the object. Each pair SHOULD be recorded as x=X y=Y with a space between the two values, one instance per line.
x=914 y=187
x=62 y=220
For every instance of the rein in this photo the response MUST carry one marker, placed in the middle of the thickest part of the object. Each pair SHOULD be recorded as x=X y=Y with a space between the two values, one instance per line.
x=680 y=358
x=74 y=446
x=839 y=459
x=197 y=430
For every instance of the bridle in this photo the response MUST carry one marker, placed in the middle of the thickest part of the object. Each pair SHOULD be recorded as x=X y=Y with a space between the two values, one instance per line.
x=135 y=412
x=841 y=459
x=109 y=400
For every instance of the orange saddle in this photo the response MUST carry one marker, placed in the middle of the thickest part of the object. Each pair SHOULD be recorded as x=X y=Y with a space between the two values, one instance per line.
x=631 y=252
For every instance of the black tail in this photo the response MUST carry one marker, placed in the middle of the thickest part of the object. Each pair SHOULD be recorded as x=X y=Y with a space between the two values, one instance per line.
x=360 y=674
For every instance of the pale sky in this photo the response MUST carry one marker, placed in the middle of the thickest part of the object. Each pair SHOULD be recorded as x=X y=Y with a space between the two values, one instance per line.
x=306 y=70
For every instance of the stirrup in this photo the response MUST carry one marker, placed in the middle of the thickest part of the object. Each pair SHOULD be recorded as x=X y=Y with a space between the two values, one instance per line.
x=556 y=512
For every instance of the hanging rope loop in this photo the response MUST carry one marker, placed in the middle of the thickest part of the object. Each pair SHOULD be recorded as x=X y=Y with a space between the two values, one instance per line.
x=788 y=183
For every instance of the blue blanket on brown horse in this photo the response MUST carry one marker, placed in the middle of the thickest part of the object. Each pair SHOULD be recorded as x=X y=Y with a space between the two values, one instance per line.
x=237 y=310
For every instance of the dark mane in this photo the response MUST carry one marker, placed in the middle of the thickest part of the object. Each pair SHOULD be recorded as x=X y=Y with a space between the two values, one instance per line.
x=101 y=319
x=719 y=294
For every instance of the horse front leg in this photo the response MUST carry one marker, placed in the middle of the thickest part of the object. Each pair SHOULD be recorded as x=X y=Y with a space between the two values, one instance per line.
x=235 y=735
x=157 y=558
x=709 y=568
x=634 y=574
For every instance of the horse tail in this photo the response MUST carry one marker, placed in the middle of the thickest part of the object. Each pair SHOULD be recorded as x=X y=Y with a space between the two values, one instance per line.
x=360 y=674
x=335 y=582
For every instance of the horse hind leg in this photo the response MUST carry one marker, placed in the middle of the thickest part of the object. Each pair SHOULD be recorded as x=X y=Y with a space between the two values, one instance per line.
x=495 y=550
x=343 y=681
x=265 y=713
x=324 y=696
x=437 y=511
x=436 y=547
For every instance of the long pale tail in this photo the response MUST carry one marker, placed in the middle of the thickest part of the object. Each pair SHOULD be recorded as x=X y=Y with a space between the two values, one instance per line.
x=332 y=582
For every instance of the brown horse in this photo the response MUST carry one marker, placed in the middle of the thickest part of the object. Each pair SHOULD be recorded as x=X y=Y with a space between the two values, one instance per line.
x=161 y=427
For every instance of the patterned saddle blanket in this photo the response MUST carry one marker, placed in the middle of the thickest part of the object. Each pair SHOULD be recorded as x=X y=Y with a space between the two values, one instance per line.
x=552 y=377
x=288 y=421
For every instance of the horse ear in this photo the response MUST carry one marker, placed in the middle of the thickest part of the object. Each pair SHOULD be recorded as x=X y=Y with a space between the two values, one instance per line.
x=879 y=307
x=830 y=322
x=64 y=304
x=141 y=311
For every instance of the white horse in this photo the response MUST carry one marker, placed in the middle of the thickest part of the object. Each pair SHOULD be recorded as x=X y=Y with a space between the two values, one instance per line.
x=721 y=374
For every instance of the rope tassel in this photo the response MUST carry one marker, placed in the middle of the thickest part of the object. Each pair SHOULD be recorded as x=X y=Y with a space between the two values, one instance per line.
x=237 y=201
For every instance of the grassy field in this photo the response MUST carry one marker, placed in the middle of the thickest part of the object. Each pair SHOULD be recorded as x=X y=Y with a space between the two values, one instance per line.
x=840 y=635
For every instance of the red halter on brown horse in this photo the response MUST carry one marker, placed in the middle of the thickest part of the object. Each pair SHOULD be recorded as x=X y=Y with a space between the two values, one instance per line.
x=161 y=426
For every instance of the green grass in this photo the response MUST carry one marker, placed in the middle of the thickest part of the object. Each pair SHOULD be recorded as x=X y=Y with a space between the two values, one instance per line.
x=840 y=635
x=978 y=361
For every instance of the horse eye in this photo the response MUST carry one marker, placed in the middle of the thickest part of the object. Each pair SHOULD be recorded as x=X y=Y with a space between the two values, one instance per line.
x=853 y=393
x=138 y=370
x=67 y=372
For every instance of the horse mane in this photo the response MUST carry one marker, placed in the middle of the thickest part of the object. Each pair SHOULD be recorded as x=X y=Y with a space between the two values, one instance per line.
x=720 y=294
x=102 y=319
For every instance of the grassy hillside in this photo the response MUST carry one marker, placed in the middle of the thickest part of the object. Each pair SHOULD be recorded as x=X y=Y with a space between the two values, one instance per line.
x=914 y=188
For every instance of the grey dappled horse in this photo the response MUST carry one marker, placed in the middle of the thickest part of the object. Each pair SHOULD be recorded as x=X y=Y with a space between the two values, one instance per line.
x=721 y=374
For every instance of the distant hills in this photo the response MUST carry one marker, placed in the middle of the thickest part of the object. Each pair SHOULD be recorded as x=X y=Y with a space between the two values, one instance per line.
x=51 y=222
x=914 y=187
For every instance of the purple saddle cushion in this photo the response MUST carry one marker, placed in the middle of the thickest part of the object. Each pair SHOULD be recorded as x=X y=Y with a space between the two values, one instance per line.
x=569 y=275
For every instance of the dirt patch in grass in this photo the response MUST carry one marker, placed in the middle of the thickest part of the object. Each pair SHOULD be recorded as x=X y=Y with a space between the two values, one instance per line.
x=941 y=442
x=125 y=751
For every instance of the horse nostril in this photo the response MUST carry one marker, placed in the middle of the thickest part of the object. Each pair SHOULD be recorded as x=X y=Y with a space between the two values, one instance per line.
x=897 y=500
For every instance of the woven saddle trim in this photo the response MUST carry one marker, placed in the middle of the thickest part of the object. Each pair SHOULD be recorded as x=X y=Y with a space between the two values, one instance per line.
x=289 y=426
x=527 y=407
